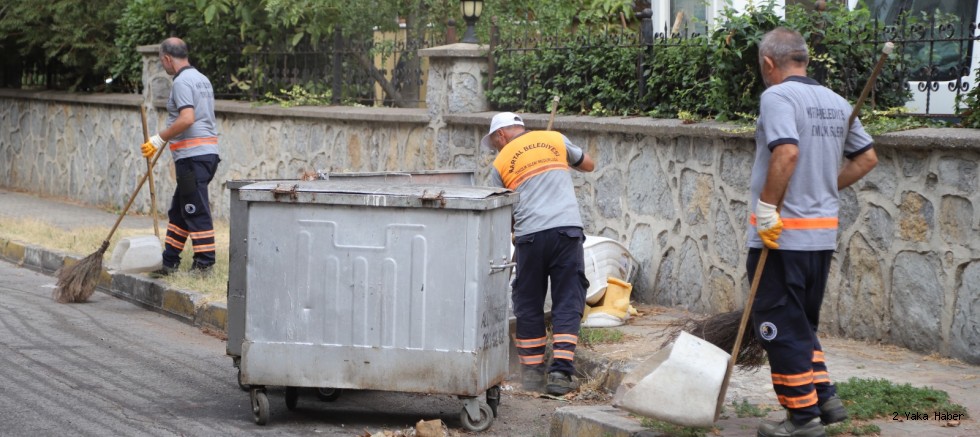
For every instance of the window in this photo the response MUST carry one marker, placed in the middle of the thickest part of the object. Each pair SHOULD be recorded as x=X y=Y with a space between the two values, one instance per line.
x=687 y=16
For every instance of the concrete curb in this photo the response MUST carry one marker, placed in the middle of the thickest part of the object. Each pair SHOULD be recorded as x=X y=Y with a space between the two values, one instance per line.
x=602 y=420
x=183 y=305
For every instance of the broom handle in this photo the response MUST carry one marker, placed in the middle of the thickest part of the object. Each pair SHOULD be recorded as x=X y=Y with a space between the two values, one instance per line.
x=554 y=110
x=741 y=331
x=133 y=197
x=886 y=50
x=149 y=169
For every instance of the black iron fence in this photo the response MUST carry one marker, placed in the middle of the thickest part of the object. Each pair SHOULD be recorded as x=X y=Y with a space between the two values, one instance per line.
x=384 y=70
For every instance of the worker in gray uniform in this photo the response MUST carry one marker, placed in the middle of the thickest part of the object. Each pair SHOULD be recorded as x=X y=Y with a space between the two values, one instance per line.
x=548 y=240
x=194 y=144
x=805 y=154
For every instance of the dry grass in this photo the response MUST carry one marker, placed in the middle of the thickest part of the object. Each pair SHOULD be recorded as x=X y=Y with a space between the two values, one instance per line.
x=85 y=241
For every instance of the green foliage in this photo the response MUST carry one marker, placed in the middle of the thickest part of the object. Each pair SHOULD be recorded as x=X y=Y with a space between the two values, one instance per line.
x=849 y=428
x=70 y=37
x=867 y=399
x=714 y=76
x=600 y=335
x=301 y=96
x=877 y=122
x=735 y=82
x=142 y=22
x=588 y=77
x=970 y=116
x=837 y=39
x=745 y=409
x=674 y=430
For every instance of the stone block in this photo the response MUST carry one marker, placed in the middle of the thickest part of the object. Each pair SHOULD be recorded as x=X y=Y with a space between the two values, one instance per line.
x=917 y=301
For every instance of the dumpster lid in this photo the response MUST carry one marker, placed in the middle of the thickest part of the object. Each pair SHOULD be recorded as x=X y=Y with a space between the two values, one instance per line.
x=378 y=194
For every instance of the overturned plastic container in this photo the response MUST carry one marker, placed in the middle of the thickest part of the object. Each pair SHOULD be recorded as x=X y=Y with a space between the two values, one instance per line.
x=605 y=258
x=136 y=254
x=680 y=384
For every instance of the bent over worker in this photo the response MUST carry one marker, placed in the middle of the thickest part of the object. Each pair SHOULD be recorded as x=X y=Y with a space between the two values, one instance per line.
x=548 y=239
x=802 y=139
x=194 y=145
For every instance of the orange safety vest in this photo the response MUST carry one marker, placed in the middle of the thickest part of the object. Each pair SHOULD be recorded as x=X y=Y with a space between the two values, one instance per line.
x=529 y=155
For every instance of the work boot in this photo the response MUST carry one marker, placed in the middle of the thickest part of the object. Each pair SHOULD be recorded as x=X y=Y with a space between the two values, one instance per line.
x=201 y=270
x=559 y=383
x=832 y=411
x=532 y=379
x=164 y=270
x=787 y=428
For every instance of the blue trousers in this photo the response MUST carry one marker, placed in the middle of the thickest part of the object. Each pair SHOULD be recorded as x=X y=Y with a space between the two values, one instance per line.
x=785 y=315
x=190 y=212
x=556 y=255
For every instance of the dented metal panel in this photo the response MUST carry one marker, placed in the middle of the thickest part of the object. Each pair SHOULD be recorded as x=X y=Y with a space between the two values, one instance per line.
x=353 y=284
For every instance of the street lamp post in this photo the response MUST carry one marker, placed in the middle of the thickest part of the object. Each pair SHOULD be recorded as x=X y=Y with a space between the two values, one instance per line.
x=471 y=12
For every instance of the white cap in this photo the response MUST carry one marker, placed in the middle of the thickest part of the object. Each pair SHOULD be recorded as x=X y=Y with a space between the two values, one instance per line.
x=501 y=120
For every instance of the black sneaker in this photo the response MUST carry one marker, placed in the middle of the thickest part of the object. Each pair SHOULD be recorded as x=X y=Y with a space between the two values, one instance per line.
x=559 y=384
x=832 y=411
x=163 y=271
x=532 y=379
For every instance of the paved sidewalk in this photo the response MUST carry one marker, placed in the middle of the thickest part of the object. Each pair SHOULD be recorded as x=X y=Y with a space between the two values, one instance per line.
x=846 y=358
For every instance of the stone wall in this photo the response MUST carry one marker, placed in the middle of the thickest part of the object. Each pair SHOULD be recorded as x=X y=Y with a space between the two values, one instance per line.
x=907 y=270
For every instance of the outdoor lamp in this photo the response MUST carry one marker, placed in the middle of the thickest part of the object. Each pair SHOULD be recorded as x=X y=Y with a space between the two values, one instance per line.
x=471 y=12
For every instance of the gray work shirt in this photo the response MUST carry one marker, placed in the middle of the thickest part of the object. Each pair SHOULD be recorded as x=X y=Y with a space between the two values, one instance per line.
x=800 y=111
x=191 y=89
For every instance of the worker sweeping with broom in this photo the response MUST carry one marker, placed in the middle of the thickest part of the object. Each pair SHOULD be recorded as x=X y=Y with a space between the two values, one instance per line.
x=803 y=132
x=194 y=145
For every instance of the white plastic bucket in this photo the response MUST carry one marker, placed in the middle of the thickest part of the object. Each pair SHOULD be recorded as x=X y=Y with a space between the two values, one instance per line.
x=136 y=254
x=680 y=384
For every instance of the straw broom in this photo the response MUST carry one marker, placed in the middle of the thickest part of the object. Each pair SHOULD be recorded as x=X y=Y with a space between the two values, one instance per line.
x=77 y=282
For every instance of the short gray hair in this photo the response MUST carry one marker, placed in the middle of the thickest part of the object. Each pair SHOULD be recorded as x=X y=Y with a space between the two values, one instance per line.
x=174 y=47
x=783 y=46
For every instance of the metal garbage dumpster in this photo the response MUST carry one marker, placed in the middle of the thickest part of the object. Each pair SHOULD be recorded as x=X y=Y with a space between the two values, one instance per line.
x=356 y=284
x=238 y=231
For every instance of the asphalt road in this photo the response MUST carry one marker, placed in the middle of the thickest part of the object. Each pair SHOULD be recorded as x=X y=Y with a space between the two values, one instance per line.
x=109 y=367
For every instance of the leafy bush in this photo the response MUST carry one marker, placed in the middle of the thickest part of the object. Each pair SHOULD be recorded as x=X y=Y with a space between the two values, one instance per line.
x=716 y=75
x=685 y=61
x=586 y=76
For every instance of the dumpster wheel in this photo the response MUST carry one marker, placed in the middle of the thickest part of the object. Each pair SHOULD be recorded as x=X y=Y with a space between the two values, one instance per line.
x=476 y=425
x=260 y=405
x=327 y=394
x=292 y=397
x=493 y=398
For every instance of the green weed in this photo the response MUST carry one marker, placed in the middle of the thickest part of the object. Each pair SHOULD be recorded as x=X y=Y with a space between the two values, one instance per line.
x=674 y=430
x=868 y=399
x=745 y=409
x=600 y=335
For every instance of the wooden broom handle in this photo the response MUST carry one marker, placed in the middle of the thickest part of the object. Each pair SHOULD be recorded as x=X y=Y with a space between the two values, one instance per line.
x=149 y=169
x=122 y=214
x=554 y=110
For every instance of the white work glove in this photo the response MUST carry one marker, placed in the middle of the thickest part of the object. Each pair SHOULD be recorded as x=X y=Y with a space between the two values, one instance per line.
x=149 y=148
x=768 y=224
